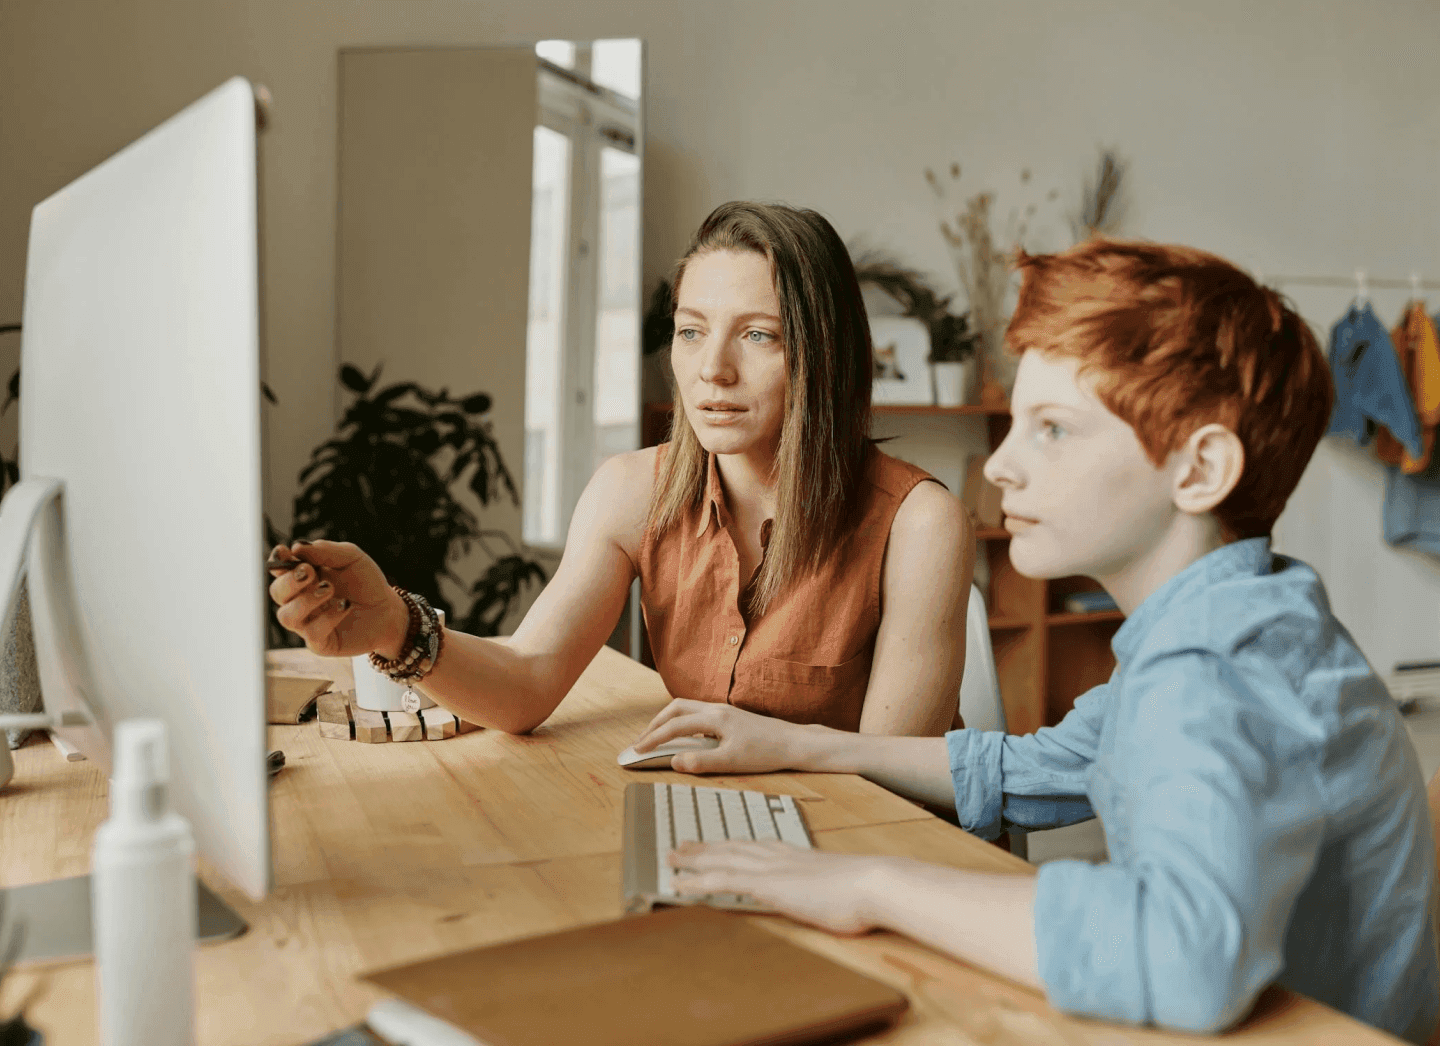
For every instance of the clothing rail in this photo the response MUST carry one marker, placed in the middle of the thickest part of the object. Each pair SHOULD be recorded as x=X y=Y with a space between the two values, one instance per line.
x=1361 y=281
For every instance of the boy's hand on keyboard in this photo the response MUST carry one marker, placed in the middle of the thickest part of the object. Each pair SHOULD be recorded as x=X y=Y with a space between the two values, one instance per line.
x=749 y=743
x=828 y=890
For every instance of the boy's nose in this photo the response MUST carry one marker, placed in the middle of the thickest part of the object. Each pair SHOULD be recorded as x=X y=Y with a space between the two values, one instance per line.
x=1000 y=469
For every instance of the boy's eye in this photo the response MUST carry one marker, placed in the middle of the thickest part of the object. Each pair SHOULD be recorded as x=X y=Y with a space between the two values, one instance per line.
x=1050 y=431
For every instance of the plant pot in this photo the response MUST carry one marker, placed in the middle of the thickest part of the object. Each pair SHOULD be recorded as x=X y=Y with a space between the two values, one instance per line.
x=953 y=382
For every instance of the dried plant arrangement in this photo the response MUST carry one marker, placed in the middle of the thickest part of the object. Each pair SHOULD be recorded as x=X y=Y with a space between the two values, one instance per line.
x=1103 y=200
x=984 y=267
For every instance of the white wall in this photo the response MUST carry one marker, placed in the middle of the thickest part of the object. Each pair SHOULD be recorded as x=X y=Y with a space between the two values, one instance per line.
x=1295 y=135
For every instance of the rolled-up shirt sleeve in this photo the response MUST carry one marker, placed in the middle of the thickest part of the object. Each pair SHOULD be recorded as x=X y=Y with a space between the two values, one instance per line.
x=1220 y=823
x=1037 y=780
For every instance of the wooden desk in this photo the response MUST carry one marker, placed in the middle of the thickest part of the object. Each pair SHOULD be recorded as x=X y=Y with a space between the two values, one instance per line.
x=393 y=852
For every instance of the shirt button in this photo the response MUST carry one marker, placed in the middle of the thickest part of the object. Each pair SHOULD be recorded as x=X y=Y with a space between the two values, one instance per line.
x=734 y=640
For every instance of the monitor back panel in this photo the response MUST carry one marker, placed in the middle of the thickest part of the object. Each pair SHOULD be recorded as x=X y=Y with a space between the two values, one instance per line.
x=140 y=388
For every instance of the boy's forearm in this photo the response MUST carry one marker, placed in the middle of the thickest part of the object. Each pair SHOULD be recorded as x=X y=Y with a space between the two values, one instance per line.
x=981 y=917
x=915 y=767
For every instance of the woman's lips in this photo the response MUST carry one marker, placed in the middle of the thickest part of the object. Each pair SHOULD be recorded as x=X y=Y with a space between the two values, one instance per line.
x=718 y=415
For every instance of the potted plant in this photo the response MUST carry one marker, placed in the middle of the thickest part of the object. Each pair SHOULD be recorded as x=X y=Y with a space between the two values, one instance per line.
x=385 y=483
x=952 y=360
x=952 y=343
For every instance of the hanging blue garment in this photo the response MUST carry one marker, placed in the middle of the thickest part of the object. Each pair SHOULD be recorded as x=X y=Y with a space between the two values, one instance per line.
x=1412 y=505
x=1412 y=508
x=1370 y=387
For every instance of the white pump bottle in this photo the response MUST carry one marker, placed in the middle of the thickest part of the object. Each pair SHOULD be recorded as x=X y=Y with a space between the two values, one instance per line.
x=143 y=904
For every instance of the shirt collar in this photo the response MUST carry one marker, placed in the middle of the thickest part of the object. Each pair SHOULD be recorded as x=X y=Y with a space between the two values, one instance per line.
x=1249 y=557
x=714 y=506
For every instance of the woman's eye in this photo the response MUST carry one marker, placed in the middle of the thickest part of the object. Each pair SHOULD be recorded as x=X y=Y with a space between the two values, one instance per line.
x=688 y=334
x=759 y=337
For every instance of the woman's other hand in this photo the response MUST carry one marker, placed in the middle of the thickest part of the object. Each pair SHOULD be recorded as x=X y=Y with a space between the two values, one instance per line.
x=749 y=743
x=337 y=599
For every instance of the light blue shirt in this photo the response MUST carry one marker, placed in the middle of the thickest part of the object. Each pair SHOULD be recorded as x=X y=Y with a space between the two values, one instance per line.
x=1262 y=804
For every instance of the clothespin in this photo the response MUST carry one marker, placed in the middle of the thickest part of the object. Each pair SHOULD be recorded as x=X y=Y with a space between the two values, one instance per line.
x=1415 y=295
x=1362 y=288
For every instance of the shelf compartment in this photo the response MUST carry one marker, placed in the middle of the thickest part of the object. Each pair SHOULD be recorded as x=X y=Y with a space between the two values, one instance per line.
x=1069 y=618
x=991 y=534
x=1009 y=623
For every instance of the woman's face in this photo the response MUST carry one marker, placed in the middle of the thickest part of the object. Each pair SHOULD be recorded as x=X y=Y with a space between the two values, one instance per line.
x=728 y=356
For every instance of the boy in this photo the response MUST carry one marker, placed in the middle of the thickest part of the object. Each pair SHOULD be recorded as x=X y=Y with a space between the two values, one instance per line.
x=1263 y=808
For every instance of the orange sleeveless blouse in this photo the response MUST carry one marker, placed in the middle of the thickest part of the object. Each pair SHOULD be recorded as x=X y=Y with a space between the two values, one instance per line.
x=807 y=658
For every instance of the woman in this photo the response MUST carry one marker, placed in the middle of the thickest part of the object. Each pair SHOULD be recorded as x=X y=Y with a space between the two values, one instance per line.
x=787 y=566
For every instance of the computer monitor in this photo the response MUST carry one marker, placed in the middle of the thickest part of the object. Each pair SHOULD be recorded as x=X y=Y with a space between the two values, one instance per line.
x=140 y=464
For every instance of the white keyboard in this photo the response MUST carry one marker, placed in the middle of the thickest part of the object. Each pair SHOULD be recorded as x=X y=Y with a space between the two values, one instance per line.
x=659 y=817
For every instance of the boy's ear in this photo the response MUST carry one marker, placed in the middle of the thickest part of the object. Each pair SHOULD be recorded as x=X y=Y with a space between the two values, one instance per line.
x=1211 y=463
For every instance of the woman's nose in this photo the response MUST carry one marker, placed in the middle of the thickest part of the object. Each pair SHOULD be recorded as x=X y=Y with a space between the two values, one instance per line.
x=716 y=363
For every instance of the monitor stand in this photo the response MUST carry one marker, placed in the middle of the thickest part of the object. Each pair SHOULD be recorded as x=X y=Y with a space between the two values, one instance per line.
x=54 y=919
x=55 y=916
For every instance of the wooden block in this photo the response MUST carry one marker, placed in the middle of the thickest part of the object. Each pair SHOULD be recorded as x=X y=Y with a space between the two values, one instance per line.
x=405 y=727
x=334 y=718
x=369 y=726
x=438 y=723
x=288 y=694
x=462 y=727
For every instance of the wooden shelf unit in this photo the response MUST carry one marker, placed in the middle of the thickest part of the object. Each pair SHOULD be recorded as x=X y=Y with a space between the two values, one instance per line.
x=1045 y=657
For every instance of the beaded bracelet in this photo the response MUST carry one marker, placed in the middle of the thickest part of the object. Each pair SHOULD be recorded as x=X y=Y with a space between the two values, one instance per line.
x=424 y=639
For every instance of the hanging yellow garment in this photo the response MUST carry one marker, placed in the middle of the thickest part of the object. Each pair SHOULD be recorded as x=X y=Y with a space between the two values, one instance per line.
x=1418 y=347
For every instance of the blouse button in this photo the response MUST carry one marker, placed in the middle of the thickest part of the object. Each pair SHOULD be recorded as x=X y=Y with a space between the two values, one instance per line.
x=734 y=640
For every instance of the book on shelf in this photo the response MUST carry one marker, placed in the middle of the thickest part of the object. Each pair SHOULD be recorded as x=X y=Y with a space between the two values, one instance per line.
x=1089 y=603
x=1410 y=681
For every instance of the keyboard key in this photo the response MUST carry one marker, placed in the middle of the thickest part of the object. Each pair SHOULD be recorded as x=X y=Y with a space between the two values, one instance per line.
x=737 y=821
x=663 y=877
x=762 y=822
x=682 y=806
x=707 y=805
x=788 y=822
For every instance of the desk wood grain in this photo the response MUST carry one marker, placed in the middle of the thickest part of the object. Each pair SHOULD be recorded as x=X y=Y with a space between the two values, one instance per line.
x=385 y=854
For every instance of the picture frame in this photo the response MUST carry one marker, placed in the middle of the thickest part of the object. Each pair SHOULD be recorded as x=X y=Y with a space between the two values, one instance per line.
x=902 y=353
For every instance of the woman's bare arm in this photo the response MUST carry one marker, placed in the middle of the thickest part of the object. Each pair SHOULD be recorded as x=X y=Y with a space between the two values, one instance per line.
x=920 y=646
x=513 y=683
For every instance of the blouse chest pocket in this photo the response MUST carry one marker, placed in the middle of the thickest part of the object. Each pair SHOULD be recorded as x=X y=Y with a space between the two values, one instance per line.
x=803 y=693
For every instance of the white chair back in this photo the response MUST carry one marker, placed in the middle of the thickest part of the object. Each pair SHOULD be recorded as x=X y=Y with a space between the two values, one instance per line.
x=980 y=704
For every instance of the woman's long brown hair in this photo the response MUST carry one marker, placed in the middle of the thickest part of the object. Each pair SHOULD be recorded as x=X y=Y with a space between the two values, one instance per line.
x=825 y=437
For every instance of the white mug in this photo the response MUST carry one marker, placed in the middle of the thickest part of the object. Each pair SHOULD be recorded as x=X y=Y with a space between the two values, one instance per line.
x=380 y=693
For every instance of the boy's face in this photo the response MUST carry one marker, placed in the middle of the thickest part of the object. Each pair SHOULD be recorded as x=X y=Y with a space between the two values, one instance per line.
x=1080 y=496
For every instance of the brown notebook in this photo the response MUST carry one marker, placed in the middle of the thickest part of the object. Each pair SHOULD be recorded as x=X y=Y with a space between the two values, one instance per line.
x=677 y=977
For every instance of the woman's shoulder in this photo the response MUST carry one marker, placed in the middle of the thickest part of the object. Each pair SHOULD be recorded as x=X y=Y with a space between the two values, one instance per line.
x=619 y=495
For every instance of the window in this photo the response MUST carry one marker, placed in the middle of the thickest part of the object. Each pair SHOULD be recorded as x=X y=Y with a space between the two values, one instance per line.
x=582 y=370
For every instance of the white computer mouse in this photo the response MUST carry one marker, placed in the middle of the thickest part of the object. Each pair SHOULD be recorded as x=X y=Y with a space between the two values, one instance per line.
x=658 y=758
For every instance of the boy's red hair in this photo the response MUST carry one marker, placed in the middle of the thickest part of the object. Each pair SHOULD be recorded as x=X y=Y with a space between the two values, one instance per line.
x=1182 y=338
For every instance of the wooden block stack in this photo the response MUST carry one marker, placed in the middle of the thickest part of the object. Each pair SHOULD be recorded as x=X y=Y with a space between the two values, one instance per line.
x=341 y=718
